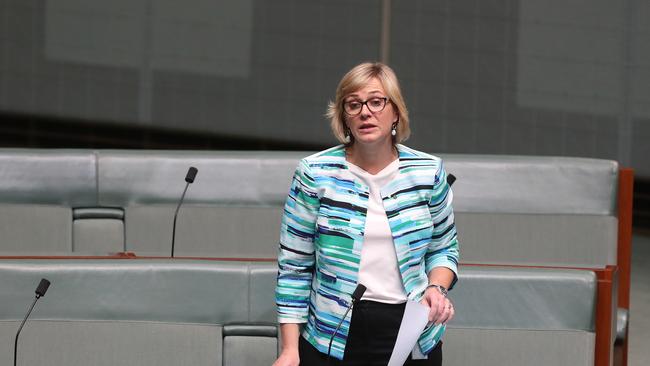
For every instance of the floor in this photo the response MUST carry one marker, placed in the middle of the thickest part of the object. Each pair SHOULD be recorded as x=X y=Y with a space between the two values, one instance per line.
x=639 y=333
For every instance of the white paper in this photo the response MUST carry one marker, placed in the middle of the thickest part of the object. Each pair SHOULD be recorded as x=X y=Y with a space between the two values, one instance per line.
x=416 y=317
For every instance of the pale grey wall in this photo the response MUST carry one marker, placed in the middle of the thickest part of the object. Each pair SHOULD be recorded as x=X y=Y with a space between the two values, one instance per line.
x=559 y=77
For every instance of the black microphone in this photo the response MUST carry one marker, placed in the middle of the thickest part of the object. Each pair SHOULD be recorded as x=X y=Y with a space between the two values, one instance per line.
x=451 y=179
x=189 y=178
x=191 y=174
x=356 y=296
x=40 y=292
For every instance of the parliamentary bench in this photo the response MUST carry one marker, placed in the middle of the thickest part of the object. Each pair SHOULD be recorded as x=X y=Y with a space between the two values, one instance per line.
x=148 y=311
x=515 y=215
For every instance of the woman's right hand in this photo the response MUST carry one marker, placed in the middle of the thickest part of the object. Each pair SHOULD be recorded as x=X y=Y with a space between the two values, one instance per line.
x=288 y=358
x=290 y=334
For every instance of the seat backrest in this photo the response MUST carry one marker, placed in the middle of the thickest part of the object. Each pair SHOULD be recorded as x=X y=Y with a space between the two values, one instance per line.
x=206 y=312
x=164 y=312
x=233 y=208
x=509 y=209
x=535 y=210
x=38 y=191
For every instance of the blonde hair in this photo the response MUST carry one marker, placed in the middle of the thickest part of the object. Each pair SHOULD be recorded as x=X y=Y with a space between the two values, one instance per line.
x=356 y=79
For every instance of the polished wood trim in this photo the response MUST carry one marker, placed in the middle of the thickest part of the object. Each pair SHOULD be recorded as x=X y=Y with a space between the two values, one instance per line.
x=605 y=316
x=624 y=248
x=131 y=255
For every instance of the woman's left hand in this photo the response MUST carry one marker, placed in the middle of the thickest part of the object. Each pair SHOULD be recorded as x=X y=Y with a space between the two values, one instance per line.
x=441 y=309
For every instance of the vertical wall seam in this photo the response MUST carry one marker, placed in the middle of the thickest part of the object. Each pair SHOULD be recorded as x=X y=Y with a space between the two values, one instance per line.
x=384 y=46
x=146 y=83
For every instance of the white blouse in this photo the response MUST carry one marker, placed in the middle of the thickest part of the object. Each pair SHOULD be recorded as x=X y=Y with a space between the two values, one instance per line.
x=378 y=270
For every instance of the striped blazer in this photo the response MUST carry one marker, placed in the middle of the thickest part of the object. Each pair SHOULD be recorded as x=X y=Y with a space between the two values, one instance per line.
x=322 y=235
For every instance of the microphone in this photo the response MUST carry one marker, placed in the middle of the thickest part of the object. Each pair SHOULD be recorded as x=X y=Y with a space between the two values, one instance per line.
x=451 y=179
x=40 y=292
x=189 y=178
x=191 y=174
x=356 y=296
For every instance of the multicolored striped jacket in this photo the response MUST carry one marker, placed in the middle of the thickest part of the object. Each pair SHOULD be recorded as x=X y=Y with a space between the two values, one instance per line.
x=322 y=234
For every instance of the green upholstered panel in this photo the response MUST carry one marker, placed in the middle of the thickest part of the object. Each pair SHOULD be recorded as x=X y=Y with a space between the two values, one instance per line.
x=30 y=229
x=111 y=343
x=262 y=292
x=509 y=310
x=533 y=184
x=38 y=189
x=218 y=292
x=249 y=350
x=512 y=347
x=494 y=297
x=144 y=177
x=214 y=231
x=48 y=176
x=98 y=236
x=184 y=291
x=538 y=239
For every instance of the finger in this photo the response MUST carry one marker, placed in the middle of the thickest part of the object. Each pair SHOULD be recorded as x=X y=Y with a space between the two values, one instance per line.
x=433 y=308
x=444 y=317
x=442 y=304
x=448 y=314
x=436 y=309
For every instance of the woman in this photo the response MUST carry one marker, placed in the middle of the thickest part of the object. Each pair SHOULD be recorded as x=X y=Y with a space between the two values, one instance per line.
x=371 y=212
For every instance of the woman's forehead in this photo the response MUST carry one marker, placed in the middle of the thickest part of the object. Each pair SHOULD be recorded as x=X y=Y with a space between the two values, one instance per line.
x=371 y=86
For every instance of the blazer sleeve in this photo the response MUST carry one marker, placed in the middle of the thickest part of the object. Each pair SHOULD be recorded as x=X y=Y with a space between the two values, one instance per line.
x=296 y=250
x=443 y=250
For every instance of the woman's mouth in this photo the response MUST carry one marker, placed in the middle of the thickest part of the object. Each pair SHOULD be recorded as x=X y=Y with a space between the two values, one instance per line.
x=366 y=127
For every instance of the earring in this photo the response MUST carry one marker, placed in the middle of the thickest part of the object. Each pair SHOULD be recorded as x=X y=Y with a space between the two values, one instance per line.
x=347 y=139
x=393 y=131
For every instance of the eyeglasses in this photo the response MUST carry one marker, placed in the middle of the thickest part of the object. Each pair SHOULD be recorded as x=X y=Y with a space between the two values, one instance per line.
x=353 y=107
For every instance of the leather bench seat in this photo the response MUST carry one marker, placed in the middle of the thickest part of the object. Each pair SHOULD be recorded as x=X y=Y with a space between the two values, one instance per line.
x=510 y=209
x=205 y=312
x=511 y=212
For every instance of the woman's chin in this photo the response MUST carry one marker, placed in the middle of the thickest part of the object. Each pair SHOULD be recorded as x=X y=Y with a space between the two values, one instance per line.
x=371 y=139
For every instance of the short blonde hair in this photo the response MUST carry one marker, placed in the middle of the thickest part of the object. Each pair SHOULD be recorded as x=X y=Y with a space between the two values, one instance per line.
x=356 y=79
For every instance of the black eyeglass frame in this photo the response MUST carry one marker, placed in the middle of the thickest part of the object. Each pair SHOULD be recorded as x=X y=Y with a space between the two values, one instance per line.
x=385 y=99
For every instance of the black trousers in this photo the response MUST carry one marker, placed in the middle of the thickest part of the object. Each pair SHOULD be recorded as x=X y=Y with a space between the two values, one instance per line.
x=373 y=331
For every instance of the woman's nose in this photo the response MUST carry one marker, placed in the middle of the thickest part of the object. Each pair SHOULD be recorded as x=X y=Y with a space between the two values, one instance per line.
x=365 y=110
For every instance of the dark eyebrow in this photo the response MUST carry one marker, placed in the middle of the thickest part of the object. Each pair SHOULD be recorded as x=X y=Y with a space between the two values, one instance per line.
x=355 y=95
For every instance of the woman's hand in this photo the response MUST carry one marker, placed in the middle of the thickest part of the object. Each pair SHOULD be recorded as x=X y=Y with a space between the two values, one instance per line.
x=441 y=309
x=288 y=357
x=290 y=334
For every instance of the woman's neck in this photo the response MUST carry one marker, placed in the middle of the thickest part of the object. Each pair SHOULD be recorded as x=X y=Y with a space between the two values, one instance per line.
x=372 y=159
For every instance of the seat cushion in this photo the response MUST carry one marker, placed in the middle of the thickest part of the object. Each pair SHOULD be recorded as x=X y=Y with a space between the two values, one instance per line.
x=110 y=343
x=28 y=229
x=98 y=236
x=538 y=239
x=204 y=231
x=514 y=347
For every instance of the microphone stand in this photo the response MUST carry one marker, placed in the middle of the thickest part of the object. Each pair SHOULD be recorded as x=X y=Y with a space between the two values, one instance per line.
x=176 y=216
x=329 y=348
x=40 y=292
x=356 y=296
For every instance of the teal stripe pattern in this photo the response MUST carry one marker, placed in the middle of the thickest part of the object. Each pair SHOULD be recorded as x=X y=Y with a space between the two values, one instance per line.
x=322 y=234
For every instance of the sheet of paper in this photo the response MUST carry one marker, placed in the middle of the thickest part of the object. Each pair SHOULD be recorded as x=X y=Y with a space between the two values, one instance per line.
x=416 y=317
